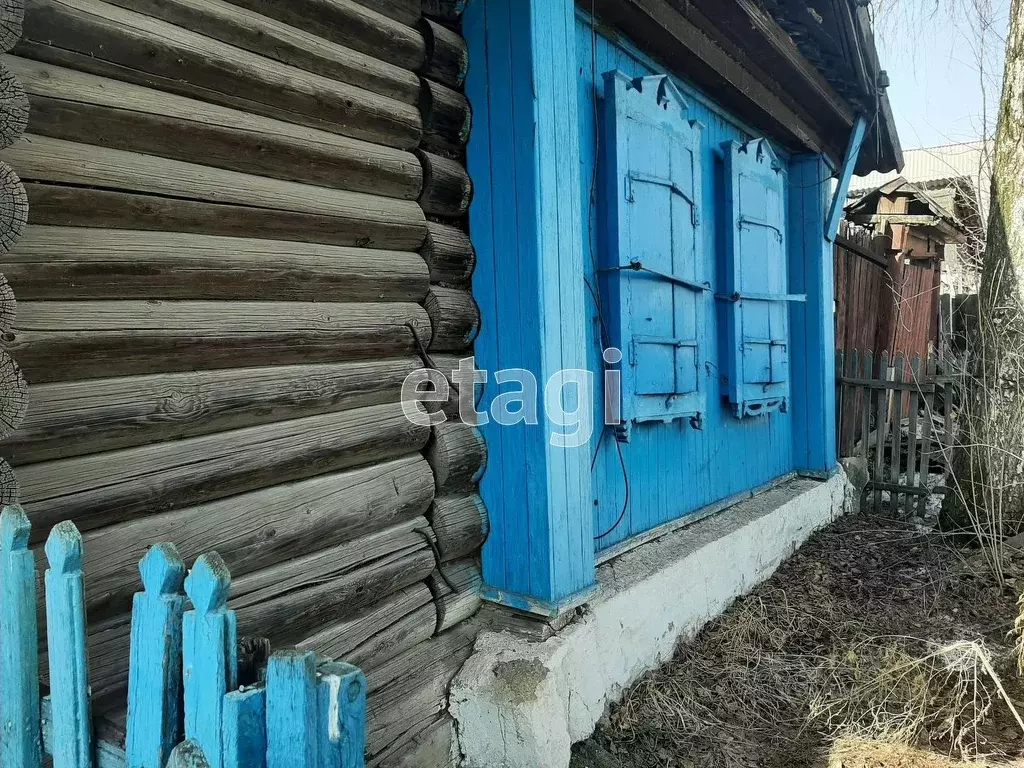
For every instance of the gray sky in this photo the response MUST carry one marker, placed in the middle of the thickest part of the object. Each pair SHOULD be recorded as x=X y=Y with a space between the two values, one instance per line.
x=932 y=50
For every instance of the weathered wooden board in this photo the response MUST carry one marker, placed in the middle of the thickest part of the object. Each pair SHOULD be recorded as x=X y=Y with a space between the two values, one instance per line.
x=259 y=529
x=454 y=316
x=281 y=42
x=13 y=107
x=404 y=634
x=13 y=396
x=57 y=263
x=446 y=117
x=102 y=489
x=430 y=743
x=454 y=607
x=351 y=24
x=14 y=205
x=104 y=39
x=449 y=255
x=41 y=158
x=76 y=206
x=12 y=13
x=460 y=524
x=57 y=341
x=77 y=106
x=72 y=418
x=406 y=11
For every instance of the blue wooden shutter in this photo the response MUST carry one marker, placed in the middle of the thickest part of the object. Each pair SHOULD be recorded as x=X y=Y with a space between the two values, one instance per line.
x=651 y=267
x=756 y=280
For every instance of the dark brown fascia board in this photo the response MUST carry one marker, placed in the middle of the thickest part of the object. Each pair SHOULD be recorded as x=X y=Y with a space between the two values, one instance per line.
x=669 y=37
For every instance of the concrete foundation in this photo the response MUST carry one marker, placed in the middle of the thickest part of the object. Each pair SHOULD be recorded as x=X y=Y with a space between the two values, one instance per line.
x=520 y=703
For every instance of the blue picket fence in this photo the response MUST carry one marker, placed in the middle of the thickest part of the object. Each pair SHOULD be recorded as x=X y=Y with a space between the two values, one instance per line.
x=185 y=707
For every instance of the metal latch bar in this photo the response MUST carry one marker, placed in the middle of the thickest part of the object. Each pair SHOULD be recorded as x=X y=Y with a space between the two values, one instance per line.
x=638 y=266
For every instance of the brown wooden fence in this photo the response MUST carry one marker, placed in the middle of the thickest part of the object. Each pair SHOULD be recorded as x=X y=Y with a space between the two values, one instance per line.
x=895 y=417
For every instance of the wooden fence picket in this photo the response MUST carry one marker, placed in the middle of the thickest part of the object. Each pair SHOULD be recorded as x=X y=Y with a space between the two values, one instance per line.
x=292 y=710
x=881 y=427
x=71 y=737
x=341 y=693
x=865 y=405
x=20 y=735
x=154 y=672
x=899 y=371
x=910 y=501
x=210 y=654
x=245 y=728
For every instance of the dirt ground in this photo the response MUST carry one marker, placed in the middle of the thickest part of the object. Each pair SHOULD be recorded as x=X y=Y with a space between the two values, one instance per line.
x=880 y=628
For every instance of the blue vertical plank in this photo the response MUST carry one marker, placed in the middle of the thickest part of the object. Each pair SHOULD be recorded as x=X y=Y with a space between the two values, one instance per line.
x=20 y=735
x=292 y=710
x=71 y=739
x=188 y=754
x=813 y=331
x=154 y=674
x=523 y=156
x=835 y=212
x=245 y=728
x=210 y=655
x=341 y=700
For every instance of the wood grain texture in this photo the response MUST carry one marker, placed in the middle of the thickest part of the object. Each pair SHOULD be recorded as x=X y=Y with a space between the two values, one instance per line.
x=457 y=457
x=428 y=743
x=459 y=523
x=58 y=341
x=72 y=418
x=458 y=605
x=292 y=740
x=404 y=634
x=245 y=727
x=406 y=11
x=10 y=487
x=262 y=528
x=13 y=107
x=446 y=117
x=447 y=188
x=454 y=317
x=447 y=59
x=78 y=106
x=104 y=39
x=44 y=159
x=74 y=206
x=13 y=207
x=56 y=263
x=351 y=24
x=449 y=255
x=13 y=396
x=12 y=16
x=281 y=42
x=340 y=639
x=106 y=488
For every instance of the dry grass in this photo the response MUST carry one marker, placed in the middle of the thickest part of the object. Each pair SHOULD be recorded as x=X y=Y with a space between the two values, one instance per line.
x=789 y=671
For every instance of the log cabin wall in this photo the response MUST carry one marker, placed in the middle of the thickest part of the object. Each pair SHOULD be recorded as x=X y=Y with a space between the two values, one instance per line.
x=244 y=228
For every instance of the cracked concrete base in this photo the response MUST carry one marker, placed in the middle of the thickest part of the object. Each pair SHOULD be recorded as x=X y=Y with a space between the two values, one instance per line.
x=520 y=703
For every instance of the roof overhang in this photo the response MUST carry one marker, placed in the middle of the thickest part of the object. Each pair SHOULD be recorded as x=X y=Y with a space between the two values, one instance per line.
x=769 y=64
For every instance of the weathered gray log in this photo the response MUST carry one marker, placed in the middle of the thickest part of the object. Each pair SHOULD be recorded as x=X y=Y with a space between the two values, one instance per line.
x=56 y=263
x=351 y=24
x=454 y=607
x=12 y=14
x=404 y=634
x=413 y=687
x=13 y=106
x=454 y=316
x=448 y=363
x=447 y=59
x=72 y=418
x=56 y=161
x=75 y=206
x=457 y=456
x=446 y=117
x=10 y=492
x=447 y=189
x=406 y=11
x=285 y=601
x=109 y=488
x=13 y=207
x=284 y=43
x=107 y=40
x=8 y=306
x=67 y=104
x=260 y=529
x=429 y=743
x=337 y=640
x=460 y=525
x=445 y=10
x=13 y=396
x=449 y=254
x=58 y=341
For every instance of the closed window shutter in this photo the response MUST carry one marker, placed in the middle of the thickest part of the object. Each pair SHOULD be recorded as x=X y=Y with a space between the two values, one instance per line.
x=756 y=284
x=650 y=263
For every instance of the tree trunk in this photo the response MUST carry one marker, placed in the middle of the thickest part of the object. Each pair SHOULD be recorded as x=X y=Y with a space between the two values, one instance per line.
x=988 y=466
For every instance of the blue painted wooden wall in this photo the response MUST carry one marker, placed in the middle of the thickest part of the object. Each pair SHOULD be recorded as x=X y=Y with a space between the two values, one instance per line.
x=672 y=468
